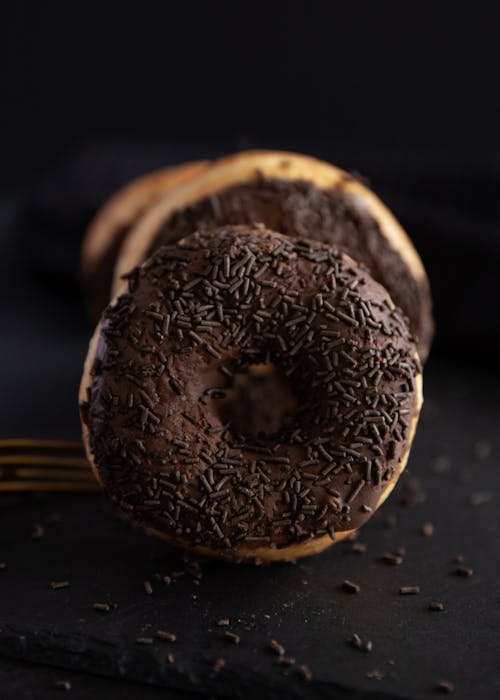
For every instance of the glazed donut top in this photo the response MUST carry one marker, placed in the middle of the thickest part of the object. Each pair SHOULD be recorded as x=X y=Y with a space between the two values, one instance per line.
x=198 y=314
x=334 y=215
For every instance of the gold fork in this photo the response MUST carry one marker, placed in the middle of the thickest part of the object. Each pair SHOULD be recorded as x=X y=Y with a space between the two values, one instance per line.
x=44 y=465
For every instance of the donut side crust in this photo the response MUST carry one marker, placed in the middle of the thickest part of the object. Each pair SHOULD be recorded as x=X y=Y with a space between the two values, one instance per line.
x=122 y=208
x=110 y=226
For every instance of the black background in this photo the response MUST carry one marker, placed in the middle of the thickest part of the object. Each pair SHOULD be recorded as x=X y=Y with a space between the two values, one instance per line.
x=405 y=93
x=388 y=74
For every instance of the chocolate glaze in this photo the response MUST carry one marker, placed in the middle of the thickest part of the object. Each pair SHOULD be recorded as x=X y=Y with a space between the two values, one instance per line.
x=299 y=208
x=208 y=308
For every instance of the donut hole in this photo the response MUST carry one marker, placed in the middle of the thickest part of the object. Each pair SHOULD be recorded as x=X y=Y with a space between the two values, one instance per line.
x=260 y=401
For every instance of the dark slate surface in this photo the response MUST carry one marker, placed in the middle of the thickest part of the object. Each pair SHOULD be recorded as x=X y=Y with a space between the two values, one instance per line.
x=21 y=679
x=46 y=635
x=106 y=560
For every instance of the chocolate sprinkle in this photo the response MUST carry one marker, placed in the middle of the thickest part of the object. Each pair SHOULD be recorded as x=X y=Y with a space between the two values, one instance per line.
x=104 y=607
x=357 y=548
x=391 y=558
x=375 y=674
x=409 y=590
x=277 y=647
x=445 y=686
x=356 y=641
x=286 y=660
x=166 y=636
x=56 y=585
x=232 y=637
x=218 y=665
x=350 y=586
x=306 y=672
x=427 y=529
x=63 y=684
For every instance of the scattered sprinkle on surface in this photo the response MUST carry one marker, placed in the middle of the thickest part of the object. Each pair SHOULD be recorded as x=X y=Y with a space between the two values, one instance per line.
x=409 y=590
x=445 y=686
x=306 y=672
x=350 y=586
x=56 y=585
x=104 y=607
x=375 y=674
x=392 y=558
x=427 y=529
x=165 y=636
x=277 y=647
x=232 y=637
x=218 y=664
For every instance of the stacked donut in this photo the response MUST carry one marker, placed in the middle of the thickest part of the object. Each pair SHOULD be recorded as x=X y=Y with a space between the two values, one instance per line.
x=252 y=390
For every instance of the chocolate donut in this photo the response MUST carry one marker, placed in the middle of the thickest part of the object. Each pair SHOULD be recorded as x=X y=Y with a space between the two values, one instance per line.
x=219 y=305
x=108 y=229
x=298 y=196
